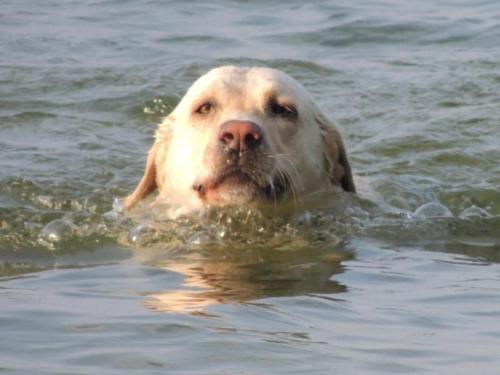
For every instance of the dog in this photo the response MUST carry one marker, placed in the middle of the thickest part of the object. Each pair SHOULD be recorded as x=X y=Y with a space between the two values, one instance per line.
x=243 y=136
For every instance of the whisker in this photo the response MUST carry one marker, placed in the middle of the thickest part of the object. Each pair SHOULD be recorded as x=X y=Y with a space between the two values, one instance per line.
x=278 y=155
x=287 y=180
x=273 y=189
x=286 y=176
x=292 y=187
x=298 y=181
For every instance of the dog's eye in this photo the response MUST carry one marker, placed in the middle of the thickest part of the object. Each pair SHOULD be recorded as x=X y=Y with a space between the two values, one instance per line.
x=287 y=111
x=205 y=108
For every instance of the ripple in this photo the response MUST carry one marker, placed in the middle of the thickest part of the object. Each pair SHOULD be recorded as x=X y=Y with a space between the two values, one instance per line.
x=366 y=32
x=195 y=39
x=414 y=88
x=302 y=66
x=485 y=197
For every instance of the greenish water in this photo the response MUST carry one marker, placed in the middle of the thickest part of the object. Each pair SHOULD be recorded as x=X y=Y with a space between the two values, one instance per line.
x=404 y=278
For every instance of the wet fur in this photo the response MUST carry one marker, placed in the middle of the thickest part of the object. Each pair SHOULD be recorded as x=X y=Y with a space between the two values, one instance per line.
x=298 y=157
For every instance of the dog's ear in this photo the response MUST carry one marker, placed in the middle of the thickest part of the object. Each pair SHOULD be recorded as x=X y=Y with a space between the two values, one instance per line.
x=336 y=160
x=148 y=182
x=151 y=179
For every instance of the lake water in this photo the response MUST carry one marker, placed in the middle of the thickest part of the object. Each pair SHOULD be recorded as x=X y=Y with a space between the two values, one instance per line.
x=404 y=278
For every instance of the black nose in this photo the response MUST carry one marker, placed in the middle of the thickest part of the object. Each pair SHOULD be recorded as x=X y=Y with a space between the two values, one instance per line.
x=241 y=135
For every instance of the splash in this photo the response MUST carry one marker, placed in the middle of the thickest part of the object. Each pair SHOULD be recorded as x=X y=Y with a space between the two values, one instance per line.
x=42 y=220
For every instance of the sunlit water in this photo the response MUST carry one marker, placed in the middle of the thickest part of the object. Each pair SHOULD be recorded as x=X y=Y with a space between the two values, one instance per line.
x=404 y=278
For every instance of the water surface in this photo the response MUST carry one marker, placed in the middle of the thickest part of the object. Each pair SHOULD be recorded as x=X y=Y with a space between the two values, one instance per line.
x=404 y=278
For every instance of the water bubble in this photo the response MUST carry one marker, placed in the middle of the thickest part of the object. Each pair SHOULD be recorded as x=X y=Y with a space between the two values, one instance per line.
x=76 y=205
x=432 y=209
x=157 y=106
x=57 y=230
x=5 y=225
x=474 y=211
x=45 y=201
x=116 y=212
x=31 y=227
x=201 y=238
x=135 y=233
x=222 y=233
x=141 y=234
x=306 y=218
x=118 y=205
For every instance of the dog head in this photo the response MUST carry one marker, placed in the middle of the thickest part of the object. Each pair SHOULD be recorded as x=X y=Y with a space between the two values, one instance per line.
x=244 y=135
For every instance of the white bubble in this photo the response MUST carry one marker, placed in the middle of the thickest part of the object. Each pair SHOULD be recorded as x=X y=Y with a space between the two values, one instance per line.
x=57 y=230
x=118 y=205
x=138 y=233
x=474 y=211
x=306 y=218
x=432 y=209
x=201 y=238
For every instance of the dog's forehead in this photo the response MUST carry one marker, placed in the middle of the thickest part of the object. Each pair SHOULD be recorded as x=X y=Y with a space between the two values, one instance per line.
x=235 y=80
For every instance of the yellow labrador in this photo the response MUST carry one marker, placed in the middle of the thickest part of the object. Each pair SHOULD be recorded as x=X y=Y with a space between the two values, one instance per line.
x=243 y=136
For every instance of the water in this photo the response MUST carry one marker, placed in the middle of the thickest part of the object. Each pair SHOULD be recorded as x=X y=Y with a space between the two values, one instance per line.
x=403 y=279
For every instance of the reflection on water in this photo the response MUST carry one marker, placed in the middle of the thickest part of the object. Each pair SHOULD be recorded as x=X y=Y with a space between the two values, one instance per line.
x=232 y=274
x=239 y=254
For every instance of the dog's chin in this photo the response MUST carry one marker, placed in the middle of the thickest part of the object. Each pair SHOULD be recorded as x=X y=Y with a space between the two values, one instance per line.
x=239 y=188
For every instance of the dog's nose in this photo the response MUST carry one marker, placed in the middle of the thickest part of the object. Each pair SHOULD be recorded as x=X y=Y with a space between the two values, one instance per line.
x=241 y=135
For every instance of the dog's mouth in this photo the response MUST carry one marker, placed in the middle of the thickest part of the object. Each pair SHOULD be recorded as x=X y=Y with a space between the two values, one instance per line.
x=237 y=185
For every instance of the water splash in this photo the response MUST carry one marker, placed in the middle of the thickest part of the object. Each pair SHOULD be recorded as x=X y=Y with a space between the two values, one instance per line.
x=40 y=221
